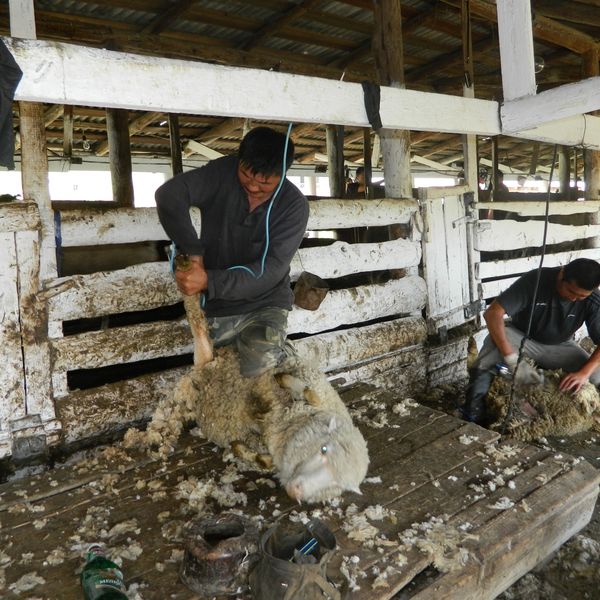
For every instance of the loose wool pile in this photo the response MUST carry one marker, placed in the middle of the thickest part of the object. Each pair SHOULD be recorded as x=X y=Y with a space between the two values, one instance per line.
x=559 y=413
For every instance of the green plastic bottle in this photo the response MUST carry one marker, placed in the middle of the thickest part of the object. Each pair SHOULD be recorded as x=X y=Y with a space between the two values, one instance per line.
x=101 y=579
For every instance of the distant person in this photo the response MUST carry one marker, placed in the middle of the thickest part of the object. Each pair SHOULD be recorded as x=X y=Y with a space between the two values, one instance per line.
x=500 y=185
x=252 y=225
x=521 y=181
x=358 y=185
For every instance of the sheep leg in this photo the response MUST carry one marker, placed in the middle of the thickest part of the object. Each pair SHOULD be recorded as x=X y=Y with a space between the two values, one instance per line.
x=203 y=350
x=297 y=388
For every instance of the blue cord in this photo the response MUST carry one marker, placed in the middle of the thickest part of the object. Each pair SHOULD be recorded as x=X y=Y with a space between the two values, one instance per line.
x=267 y=234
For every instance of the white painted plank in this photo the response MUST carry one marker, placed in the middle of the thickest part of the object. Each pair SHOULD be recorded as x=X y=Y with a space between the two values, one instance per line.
x=19 y=216
x=530 y=208
x=12 y=396
x=153 y=340
x=193 y=147
x=491 y=289
x=565 y=101
x=356 y=305
x=341 y=349
x=580 y=130
x=66 y=74
x=34 y=325
x=342 y=259
x=81 y=227
x=512 y=235
x=151 y=285
x=22 y=19
x=500 y=268
x=516 y=48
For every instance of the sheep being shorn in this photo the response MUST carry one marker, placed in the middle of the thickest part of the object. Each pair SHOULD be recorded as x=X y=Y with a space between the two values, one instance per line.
x=558 y=413
x=294 y=416
x=290 y=419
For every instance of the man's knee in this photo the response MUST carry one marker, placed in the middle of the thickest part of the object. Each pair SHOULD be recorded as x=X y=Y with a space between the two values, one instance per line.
x=260 y=347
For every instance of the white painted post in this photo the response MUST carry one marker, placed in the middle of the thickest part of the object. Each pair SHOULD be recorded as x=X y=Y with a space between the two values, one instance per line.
x=22 y=19
x=516 y=48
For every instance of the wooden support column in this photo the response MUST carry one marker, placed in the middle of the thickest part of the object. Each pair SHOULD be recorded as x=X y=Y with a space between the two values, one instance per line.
x=335 y=161
x=389 y=60
x=175 y=140
x=68 y=131
x=591 y=68
x=117 y=129
x=564 y=170
x=367 y=163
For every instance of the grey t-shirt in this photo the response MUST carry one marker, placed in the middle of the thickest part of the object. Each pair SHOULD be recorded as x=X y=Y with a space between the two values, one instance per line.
x=232 y=236
x=555 y=319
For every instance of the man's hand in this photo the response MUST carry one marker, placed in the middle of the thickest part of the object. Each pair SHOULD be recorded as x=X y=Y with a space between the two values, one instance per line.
x=525 y=374
x=194 y=279
x=573 y=382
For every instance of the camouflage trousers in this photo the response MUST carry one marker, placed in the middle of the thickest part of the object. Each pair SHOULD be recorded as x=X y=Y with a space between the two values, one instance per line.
x=259 y=336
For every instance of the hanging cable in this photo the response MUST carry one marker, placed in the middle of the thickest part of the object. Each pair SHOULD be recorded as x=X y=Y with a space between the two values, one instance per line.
x=535 y=291
x=267 y=233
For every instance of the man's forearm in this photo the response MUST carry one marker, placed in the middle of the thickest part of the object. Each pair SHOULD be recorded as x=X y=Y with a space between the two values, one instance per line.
x=592 y=363
x=494 y=319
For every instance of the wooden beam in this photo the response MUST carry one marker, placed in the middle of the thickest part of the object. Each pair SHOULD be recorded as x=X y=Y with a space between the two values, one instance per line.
x=192 y=147
x=68 y=131
x=163 y=20
x=137 y=125
x=50 y=115
x=335 y=161
x=121 y=171
x=278 y=21
x=22 y=19
x=175 y=141
x=92 y=77
x=516 y=49
x=559 y=103
x=224 y=128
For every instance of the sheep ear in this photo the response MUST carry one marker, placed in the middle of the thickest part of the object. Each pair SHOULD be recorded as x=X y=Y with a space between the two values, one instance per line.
x=332 y=424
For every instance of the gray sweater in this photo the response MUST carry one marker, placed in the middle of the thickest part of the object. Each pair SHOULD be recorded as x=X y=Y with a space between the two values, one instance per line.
x=231 y=236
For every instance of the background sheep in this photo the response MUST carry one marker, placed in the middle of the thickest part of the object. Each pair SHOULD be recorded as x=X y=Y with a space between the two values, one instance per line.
x=559 y=413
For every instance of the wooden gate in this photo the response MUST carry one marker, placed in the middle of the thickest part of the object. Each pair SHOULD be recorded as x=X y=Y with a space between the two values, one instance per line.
x=448 y=257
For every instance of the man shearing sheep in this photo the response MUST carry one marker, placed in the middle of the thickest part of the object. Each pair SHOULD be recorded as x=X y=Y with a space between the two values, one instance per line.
x=252 y=224
x=567 y=298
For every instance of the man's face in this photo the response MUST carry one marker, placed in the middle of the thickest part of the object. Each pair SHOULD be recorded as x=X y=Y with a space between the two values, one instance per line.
x=258 y=187
x=569 y=290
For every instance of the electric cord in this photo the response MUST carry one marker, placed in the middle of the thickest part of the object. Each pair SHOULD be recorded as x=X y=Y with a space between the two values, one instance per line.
x=535 y=292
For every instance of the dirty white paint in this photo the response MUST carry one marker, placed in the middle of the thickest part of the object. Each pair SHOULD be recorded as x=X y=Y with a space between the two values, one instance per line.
x=356 y=305
x=533 y=208
x=34 y=328
x=139 y=287
x=511 y=235
x=516 y=48
x=580 y=130
x=82 y=227
x=501 y=268
x=445 y=259
x=342 y=258
x=151 y=285
x=152 y=340
x=19 y=216
x=12 y=404
x=22 y=19
x=67 y=74
x=339 y=349
x=568 y=100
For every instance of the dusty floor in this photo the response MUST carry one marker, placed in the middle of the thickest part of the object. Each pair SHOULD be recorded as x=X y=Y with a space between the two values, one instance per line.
x=572 y=573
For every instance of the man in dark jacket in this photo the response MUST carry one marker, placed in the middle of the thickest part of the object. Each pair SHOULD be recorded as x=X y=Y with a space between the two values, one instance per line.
x=567 y=298
x=253 y=220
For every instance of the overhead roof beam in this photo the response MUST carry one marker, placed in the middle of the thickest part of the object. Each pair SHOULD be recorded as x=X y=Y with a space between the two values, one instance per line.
x=163 y=20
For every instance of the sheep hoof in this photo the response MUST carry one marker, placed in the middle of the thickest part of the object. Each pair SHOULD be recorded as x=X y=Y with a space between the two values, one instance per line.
x=265 y=460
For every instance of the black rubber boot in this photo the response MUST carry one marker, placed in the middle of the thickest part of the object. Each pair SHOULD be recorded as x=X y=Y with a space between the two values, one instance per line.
x=475 y=409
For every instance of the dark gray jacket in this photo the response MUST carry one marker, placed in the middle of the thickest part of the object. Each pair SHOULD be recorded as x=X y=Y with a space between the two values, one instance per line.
x=233 y=236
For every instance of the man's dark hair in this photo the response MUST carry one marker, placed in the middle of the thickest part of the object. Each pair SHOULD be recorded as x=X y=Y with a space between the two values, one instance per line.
x=359 y=170
x=583 y=272
x=261 y=151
